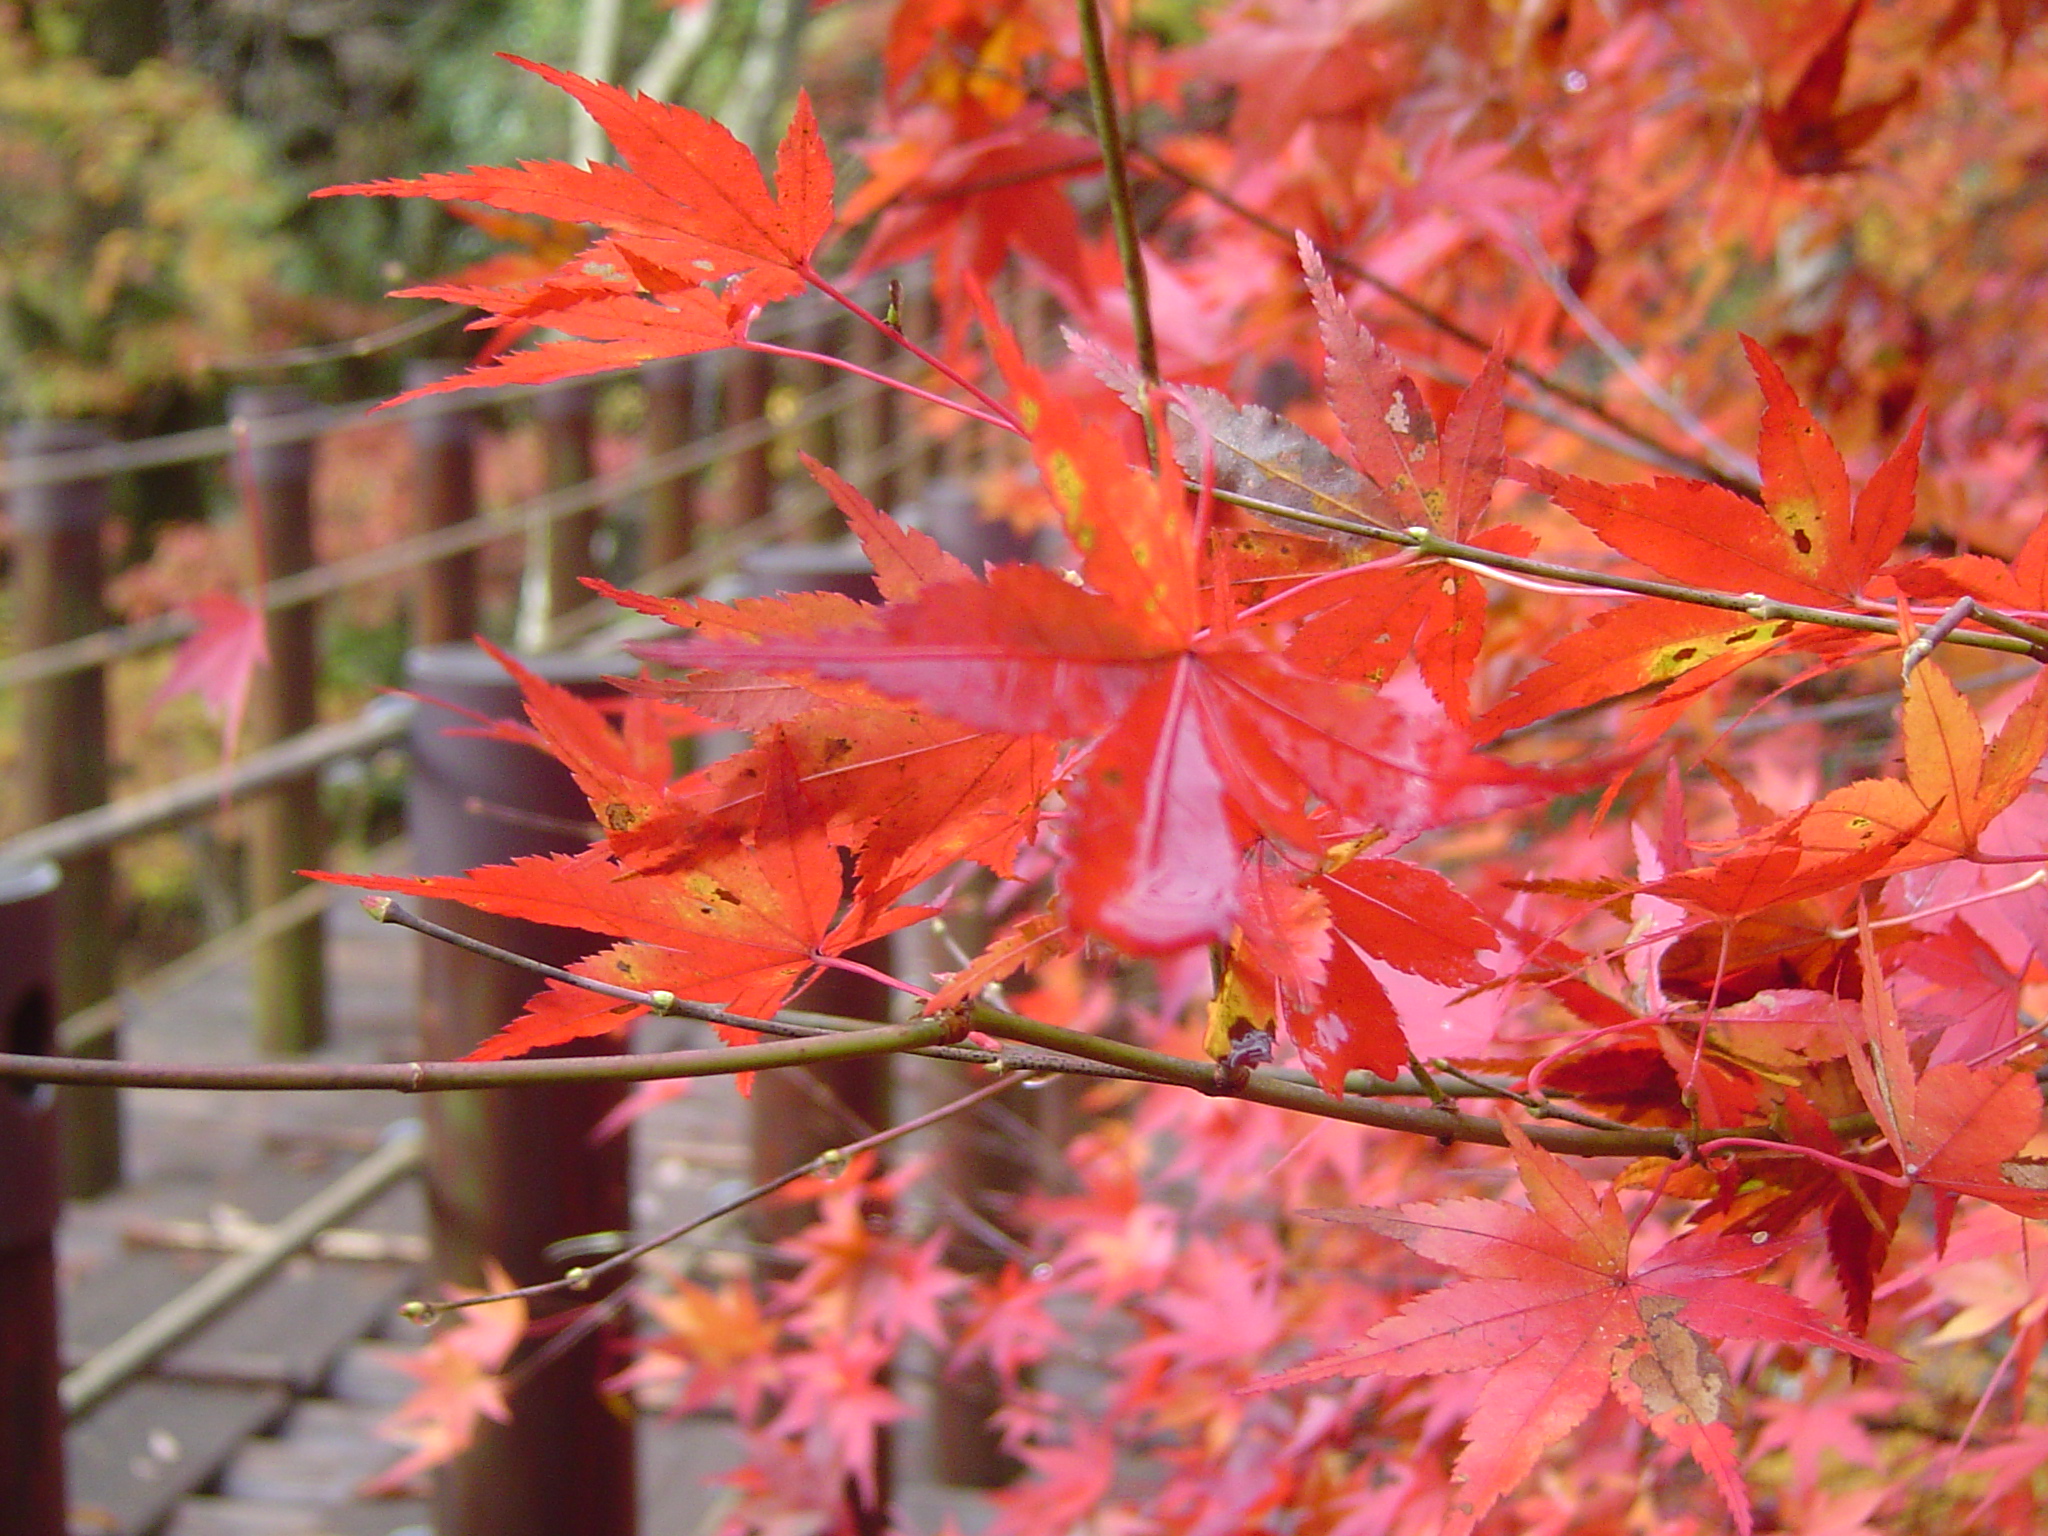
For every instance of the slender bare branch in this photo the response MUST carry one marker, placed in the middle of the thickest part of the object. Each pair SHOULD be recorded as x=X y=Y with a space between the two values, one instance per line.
x=831 y=1160
x=2014 y=637
x=1038 y=1047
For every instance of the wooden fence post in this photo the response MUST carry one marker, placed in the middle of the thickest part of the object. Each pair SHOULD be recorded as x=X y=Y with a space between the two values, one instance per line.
x=512 y=1170
x=559 y=555
x=670 y=531
x=444 y=494
x=31 y=1419
x=63 y=765
x=284 y=825
x=743 y=397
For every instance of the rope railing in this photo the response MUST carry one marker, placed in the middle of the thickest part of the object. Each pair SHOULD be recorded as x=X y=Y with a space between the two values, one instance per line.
x=200 y=793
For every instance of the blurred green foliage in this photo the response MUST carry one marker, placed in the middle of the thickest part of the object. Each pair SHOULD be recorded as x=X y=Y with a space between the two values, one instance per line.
x=158 y=154
x=140 y=224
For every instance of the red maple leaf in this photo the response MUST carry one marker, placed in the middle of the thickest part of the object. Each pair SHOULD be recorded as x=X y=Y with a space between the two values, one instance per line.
x=1809 y=133
x=909 y=792
x=2019 y=584
x=1196 y=736
x=1806 y=541
x=623 y=761
x=1561 y=1312
x=696 y=241
x=218 y=661
x=744 y=927
x=971 y=202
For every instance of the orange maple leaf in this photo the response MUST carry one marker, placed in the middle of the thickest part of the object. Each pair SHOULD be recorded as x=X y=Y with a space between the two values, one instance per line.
x=460 y=1383
x=1956 y=1127
x=1954 y=785
x=744 y=927
x=1807 y=541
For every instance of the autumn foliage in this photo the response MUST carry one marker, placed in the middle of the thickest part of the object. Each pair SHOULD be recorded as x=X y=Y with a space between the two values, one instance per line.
x=1467 y=726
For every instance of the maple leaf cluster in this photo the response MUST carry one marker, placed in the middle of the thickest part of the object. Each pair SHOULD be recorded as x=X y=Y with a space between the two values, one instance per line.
x=1345 y=736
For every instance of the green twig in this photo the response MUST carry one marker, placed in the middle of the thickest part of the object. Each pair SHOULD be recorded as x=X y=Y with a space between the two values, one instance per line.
x=1039 y=1047
x=1265 y=1087
x=1123 y=213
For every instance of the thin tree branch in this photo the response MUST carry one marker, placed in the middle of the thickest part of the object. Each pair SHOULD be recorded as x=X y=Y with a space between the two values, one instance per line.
x=448 y=1076
x=999 y=414
x=1264 y=1087
x=1046 y=1048
x=1923 y=645
x=2015 y=638
x=1730 y=466
x=1123 y=216
x=1536 y=1104
x=1002 y=423
x=1437 y=320
x=831 y=1160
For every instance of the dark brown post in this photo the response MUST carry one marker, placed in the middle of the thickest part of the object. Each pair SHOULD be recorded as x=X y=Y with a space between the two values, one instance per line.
x=563 y=557
x=31 y=1421
x=670 y=531
x=827 y=336
x=444 y=492
x=799 y=1113
x=511 y=1171
x=284 y=831
x=63 y=764
x=986 y=1155
x=921 y=324
x=743 y=394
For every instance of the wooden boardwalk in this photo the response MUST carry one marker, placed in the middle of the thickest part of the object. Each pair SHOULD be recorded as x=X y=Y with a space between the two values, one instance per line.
x=261 y=1424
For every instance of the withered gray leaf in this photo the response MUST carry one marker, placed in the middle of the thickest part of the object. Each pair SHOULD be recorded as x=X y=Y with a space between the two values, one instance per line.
x=1257 y=453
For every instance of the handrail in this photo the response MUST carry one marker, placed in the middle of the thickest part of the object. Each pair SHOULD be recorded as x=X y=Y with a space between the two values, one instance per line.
x=90 y=1025
x=90 y=1384
x=384 y=722
x=387 y=720
x=117 y=641
x=218 y=442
